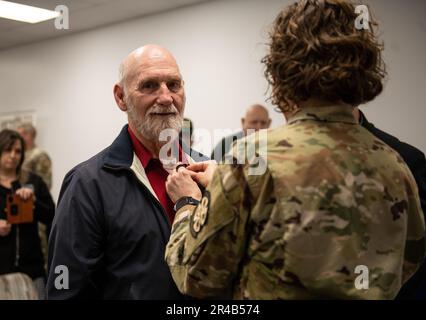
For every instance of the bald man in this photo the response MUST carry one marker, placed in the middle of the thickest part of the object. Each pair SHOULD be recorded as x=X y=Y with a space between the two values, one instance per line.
x=256 y=118
x=114 y=216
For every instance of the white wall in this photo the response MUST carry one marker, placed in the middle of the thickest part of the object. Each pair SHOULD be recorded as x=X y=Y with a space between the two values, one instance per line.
x=218 y=46
x=401 y=108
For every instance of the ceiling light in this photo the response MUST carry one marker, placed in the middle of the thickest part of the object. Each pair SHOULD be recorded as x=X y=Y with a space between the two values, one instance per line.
x=24 y=13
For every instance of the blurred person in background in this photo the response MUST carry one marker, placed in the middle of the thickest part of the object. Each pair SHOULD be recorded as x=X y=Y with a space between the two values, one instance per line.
x=256 y=118
x=37 y=161
x=20 y=248
x=186 y=134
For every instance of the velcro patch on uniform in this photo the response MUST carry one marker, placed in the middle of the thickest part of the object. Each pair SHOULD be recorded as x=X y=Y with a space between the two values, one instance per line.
x=199 y=217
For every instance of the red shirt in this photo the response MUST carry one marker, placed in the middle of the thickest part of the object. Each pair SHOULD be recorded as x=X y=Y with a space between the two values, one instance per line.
x=155 y=173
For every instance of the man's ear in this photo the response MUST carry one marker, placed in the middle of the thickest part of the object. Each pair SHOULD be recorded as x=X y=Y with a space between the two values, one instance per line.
x=243 y=120
x=119 y=97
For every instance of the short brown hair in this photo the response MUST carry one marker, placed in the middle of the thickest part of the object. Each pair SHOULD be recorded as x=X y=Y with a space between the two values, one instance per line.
x=316 y=52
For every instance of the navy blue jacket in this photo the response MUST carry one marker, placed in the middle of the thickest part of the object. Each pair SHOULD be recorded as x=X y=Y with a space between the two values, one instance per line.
x=110 y=231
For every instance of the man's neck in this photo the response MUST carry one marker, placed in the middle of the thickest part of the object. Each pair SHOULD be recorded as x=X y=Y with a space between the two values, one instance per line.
x=152 y=146
x=355 y=112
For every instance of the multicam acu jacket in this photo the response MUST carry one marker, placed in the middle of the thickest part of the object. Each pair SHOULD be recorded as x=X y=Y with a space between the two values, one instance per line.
x=336 y=214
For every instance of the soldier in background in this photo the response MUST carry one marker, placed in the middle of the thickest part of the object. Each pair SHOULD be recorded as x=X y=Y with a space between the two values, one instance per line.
x=334 y=204
x=186 y=134
x=256 y=118
x=37 y=161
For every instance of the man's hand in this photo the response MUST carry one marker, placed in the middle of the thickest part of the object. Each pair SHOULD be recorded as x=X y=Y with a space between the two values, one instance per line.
x=180 y=184
x=202 y=172
x=5 y=228
x=25 y=193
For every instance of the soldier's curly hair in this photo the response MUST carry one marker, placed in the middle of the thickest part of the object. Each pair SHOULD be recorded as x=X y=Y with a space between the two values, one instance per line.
x=317 y=52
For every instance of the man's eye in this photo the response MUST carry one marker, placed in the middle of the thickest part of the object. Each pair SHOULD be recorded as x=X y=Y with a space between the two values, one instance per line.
x=174 y=85
x=149 y=85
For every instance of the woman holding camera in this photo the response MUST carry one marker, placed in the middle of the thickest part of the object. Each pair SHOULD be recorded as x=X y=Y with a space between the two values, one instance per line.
x=20 y=248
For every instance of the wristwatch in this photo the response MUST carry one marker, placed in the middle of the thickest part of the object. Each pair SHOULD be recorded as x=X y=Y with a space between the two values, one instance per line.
x=184 y=201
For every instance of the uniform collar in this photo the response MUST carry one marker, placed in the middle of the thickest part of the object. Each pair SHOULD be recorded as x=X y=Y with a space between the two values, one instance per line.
x=331 y=113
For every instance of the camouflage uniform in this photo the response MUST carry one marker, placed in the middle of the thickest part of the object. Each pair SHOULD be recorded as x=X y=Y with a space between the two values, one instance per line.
x=37 y=161
x=333 y=197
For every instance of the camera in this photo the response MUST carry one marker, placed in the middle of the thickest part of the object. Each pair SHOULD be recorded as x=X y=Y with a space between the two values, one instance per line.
x=18 y=210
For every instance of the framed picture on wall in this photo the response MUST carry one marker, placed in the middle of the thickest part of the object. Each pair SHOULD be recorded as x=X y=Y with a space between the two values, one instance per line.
x=12 y=120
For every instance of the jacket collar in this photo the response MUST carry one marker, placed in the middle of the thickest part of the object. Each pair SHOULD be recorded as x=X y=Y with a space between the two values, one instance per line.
x=363 y=121
x=121 y=156
x=120 y=153
x=324 y=114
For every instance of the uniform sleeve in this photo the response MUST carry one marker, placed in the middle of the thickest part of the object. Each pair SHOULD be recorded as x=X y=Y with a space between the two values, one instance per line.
x=415 y=247
x=417 y=283
x=75 y=241
x=419 y=173
x=208 y=242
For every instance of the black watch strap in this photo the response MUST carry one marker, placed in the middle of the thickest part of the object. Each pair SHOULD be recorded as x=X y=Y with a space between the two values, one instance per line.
x=184 y=201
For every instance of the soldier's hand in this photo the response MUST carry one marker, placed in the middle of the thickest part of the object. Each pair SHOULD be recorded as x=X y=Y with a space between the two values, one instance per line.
x=25 y=193
x=202 y=172
x=180 y=184
x=5 y=228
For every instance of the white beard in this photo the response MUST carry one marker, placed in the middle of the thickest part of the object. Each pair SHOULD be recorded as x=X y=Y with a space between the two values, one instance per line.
x=150 y=126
